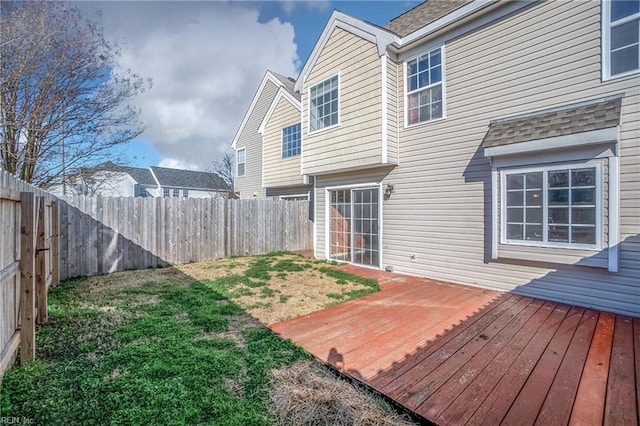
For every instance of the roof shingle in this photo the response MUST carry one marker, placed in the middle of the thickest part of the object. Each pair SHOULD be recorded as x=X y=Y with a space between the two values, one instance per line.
x=188 y=179
x=422 y=15
x=559 y=122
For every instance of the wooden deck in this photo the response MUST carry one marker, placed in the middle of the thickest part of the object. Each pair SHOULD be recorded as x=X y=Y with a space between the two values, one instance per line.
x=462 y=355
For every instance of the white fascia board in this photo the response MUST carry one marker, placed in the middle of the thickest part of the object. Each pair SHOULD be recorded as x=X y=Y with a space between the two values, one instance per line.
x=568 y=141
x=155 y=177
x=267 y=77
x=381 y=37
x=282 y=93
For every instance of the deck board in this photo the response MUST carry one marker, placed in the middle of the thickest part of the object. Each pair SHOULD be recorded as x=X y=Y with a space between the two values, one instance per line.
x=559 y=400
x=621 y=407
x=590 y=398
x=463 y=355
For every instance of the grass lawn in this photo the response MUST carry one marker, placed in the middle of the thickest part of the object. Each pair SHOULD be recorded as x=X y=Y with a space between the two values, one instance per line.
x=183 y=345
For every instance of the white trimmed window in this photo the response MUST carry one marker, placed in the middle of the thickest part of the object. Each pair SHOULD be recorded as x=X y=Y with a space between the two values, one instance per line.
x=424 y=100
x=176 y=193
x=291 y=141
x=165 y=192
x=556 y=206
x=241 y=160
x=323 y=104
x=621 y=37
x=185 y=193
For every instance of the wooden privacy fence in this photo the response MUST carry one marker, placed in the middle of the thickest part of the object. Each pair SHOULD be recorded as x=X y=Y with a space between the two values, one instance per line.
x=44 y=239
x=108 y=234
x=28 y=267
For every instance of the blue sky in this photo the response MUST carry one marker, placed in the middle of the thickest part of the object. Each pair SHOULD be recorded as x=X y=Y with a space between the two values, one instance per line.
x=206 y=60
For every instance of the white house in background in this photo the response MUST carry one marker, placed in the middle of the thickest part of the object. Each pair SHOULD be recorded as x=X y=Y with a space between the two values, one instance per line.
x=111 y=180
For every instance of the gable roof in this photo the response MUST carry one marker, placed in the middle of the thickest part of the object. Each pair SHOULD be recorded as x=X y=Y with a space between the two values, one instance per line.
x=382 y=37
x=287 y=83
x=281 y=94
x=274 y=78
x=207 y=181
x=139 y=175
x=578 y=118
x=422 y=15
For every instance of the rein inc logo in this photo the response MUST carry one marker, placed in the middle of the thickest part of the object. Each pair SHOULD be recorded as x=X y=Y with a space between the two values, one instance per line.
x=16 y=421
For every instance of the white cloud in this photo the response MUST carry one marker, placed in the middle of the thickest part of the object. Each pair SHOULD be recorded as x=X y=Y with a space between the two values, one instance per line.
x=172 y=163
x=206 y=60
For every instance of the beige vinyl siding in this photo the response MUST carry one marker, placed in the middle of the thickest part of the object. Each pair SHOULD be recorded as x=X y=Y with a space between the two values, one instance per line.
x=280 y=171
x=546 y=56
x=375 y=176
x=392 y=112
x=251 y=182
x=356 y=141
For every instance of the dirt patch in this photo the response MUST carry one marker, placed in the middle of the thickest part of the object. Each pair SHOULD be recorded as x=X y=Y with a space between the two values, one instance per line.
x=213 y=269
x=307 y=394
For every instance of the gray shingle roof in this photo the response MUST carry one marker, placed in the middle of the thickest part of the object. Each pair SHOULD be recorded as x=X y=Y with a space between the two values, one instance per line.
x=288 y=83
x=558 y=122
x=188 y=179
x=141 y=176
x=423 y=14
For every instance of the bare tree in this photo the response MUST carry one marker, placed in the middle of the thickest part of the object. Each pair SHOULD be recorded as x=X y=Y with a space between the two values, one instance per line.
x=63 y=98
x=224 y=168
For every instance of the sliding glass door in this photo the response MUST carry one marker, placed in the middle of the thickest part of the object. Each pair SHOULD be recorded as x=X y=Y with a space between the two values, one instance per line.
x=354 y=226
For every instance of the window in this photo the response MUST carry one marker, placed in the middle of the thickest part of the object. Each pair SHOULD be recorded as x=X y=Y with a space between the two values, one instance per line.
x=291 y=141
x=165 y=192
x=323 y=104
x=621 y=37
x=141 y=191
x=185 y=193
x=554 y=206
x=240 y=162
x=424 y=87
x=176 y=193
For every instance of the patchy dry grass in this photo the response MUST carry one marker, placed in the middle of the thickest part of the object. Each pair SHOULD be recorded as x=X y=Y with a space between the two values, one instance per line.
x=279 y=286
x=187 y=345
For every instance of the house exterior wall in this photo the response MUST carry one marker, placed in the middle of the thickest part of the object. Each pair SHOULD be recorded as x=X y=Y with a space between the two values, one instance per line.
x=545 y=56
x=251 y=140
x=278 y=171
x=356 y=140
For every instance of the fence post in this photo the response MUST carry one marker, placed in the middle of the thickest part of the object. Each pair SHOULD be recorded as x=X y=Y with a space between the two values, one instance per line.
x=41 y=272
x=27 y=277
x=55 y=244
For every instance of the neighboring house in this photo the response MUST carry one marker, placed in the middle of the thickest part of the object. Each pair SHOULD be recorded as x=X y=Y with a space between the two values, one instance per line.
x=188 y=183
x=111 y=180
x=489 y=143
x=267 y=145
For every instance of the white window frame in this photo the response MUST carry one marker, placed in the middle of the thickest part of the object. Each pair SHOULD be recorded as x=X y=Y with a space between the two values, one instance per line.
x=185 y=193
x=309 y=105
x=606 y=41
x=544 y=169
x=405 y=74
x=166 y=192
x=244 y=163
x=327 y=222
x=175 y=193
x=295 y=197
x=282 y=141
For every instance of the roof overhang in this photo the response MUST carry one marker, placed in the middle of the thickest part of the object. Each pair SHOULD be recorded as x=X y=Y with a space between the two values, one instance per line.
x=574 y=140
x=377 y=35
x=268 y=76
x=281 y=94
